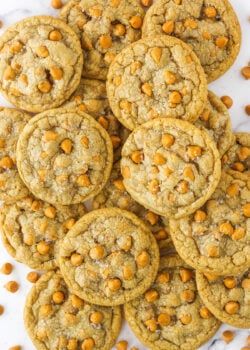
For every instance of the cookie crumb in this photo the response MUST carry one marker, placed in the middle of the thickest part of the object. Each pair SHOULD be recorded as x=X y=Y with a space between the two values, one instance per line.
x=228 y=336
x=121 y=345
x=32 y=276
x=247 y=109
x=1 y=310
x=6 y=268
x=12 y=286
x=227 y=100
x=56 y=4
x=246 y=72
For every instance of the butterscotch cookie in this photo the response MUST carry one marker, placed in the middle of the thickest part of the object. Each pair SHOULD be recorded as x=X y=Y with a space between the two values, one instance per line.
x=104 y=27
x=12 y=122
x=40 y=63
x=210 y=27
x=91 y=97
x=215 y=119
x=64 y=156
x=170 y=166
x=55 y=318
x=227 y=297
x=156 y=77
x=171 y=315
x=31 y=230
x=216 y=237
x=238 y=155
x=109 y=257
x=114 y=194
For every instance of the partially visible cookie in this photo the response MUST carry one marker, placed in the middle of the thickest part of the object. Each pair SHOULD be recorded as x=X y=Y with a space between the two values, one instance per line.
x=114 y=194
x=64 y=156
x=238 y=155
x=40 y=63
x=31 y=230
x=104 y=27
x=210 y=27
x=227 y=297
x=109 y=257
x=55 y=318
x=170 y=166
x=171 y=315
x=215 y=119
x=216 y=237
x=156 y=77
x=12 y=122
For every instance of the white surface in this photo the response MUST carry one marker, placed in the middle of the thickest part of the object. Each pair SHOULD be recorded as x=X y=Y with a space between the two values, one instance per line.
x=12 y=330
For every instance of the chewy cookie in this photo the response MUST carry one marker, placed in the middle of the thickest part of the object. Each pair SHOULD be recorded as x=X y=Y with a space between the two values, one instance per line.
x=216 y=237
x=40 y=63
x=64 y=156
x=31 y=230
x=210 y=27
x=104 y=27
x=12 y=122
x=170 y=166
x=114 y=194
x=227 y=297
x=109 y=257
x=156 y=77
x=57 y=319
x=171 y=315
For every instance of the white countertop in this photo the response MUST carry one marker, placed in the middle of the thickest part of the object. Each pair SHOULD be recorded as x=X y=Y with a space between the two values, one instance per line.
x=12 y=331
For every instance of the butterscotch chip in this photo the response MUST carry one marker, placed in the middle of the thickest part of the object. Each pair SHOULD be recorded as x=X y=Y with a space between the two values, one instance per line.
x=115 y=284
x=11 y=286
x=228 y=336
x=56 y=326
x=213 y=24
x=227 y=100
x=6 y=268
x=33 y=276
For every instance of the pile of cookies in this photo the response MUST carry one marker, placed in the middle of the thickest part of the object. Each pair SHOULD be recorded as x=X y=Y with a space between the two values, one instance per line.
x=124 y=118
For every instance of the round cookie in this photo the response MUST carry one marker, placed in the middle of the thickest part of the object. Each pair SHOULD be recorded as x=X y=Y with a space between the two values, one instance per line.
x=64 y=156
x=12 y=122
x=31 y=230
x=216 y=237
x=104 y=27
x=57 y=319
x=210 y=27
x=109 y=257
x=156 y=77
x=114 y=194
x=170 y=166
x=227 y=297
x=215 y=119
x=40 y=63
x=91 y=97
x=238 y=156
x=171 y=315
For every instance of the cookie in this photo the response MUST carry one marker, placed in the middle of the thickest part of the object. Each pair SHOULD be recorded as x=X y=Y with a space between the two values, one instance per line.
x=215 y=119
x=104 y=27
x=57 y=319
x=216 y=237
x=109 y=257
x=210 y=27
x=156 y=77
x=238 y=156
x=64 y=156
x=31 y=230
x=114 y=194
x=171 y=315
x=170 y=166
x=227 y=297
x=12 y=122
x=40 y=63
x=91 y=97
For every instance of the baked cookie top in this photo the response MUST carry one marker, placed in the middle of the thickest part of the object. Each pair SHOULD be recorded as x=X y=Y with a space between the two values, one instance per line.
x=216 y=237
x=31 y=230
x=104 y=27
x=114 y=194
x=40 y=63
x=55 y=318
x=12 y=122
x=210 y=27
x=109 y=257
x=228 y=297
x=64 y=156
x=170 y=166
x=171 y=315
